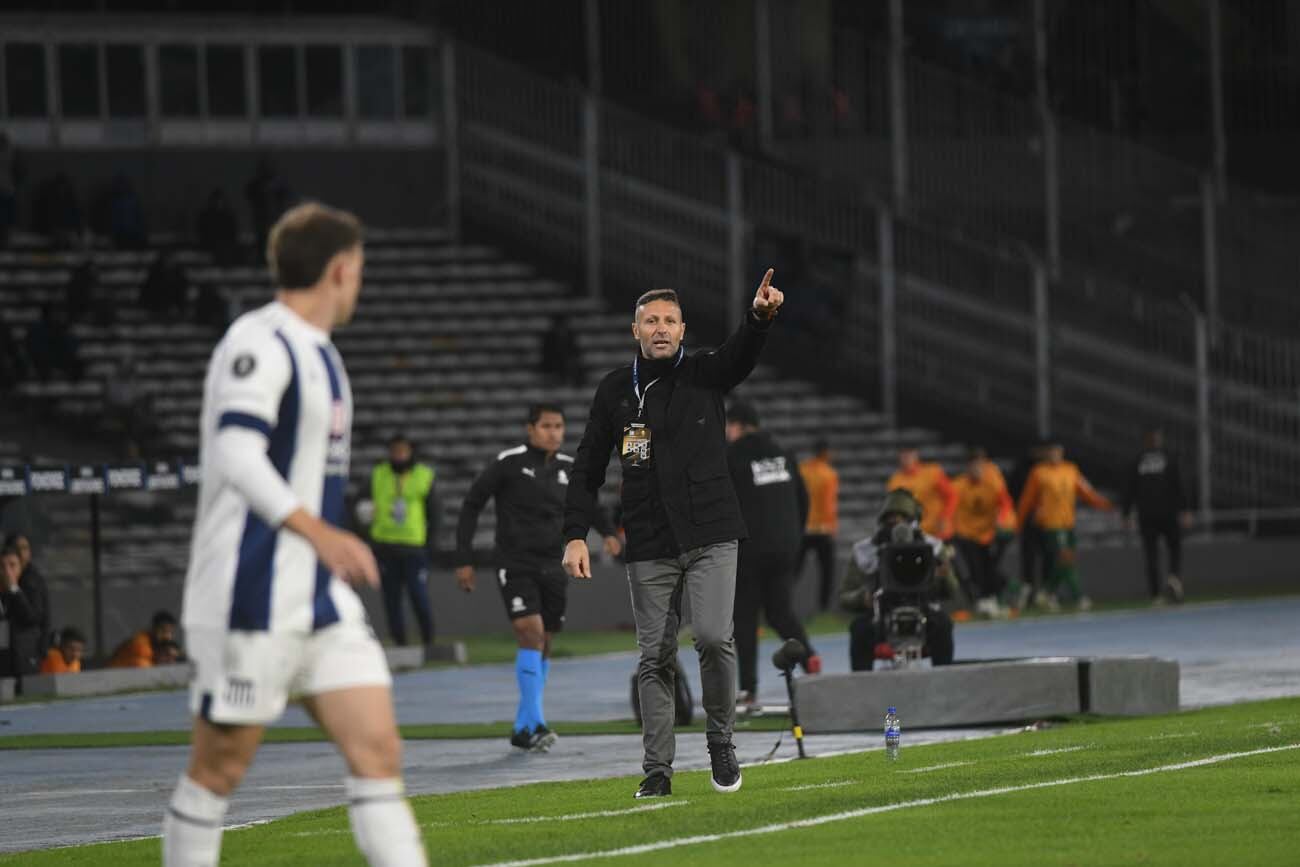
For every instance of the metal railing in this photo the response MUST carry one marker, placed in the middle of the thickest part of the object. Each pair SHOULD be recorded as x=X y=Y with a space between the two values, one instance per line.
x=978 y=330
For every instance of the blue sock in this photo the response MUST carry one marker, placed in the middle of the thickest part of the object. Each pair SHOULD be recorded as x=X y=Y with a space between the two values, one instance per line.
x=528 y=671
x=541 y=693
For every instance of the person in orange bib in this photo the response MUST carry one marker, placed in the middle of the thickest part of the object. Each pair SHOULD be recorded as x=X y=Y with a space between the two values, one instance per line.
x=823 y=485
x=984 y=509
x=932 y=488
x=1049 y=499
x=140 y=650
x=66 y=657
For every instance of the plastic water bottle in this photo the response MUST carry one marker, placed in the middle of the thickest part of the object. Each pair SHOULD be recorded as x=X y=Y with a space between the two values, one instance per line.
x=893 y=734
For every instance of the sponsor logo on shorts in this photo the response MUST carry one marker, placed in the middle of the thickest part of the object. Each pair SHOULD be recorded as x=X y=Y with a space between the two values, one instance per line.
x=517 y=605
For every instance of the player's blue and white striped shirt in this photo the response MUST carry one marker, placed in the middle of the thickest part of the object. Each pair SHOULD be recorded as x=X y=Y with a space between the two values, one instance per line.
x=276 y=384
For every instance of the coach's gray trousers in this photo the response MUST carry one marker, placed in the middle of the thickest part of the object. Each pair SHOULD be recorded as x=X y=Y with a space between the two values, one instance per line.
x=707 y=576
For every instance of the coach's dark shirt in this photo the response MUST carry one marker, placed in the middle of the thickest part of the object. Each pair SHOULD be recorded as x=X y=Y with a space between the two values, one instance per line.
x=683 y=498
x=530 y=493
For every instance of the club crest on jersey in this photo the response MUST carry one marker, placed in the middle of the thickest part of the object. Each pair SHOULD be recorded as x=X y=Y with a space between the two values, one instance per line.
x=562 y=477
x=244 y=365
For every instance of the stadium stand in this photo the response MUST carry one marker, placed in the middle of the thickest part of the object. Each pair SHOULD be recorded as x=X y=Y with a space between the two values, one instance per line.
x=445 y=347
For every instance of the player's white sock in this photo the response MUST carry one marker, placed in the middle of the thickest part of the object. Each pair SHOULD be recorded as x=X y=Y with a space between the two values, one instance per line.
x=192 y=826
x=383 y=824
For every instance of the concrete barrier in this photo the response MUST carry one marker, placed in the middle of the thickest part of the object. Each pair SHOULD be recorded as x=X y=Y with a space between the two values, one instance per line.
x=981 y=693
x=954 y=695
x=104 y=681
x=1128 y=686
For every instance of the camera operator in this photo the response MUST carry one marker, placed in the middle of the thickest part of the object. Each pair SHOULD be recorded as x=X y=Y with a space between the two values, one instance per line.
x=889 y=612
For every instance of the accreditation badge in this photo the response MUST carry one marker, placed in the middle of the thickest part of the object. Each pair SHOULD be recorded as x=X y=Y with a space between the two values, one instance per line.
x=636 y=445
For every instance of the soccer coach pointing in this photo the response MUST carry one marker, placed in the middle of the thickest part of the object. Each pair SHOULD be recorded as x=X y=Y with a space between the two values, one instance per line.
x=664 y=414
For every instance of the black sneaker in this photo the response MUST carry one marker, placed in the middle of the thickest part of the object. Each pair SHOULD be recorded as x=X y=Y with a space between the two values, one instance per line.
x=655 y=786
x=726 y=770
x=543 y=740
x=539 y=740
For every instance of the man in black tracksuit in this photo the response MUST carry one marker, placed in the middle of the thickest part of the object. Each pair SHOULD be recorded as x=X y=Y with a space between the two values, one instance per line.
x=528 y=483
x=1156 y=488
x=664 y=414
x=774 y=503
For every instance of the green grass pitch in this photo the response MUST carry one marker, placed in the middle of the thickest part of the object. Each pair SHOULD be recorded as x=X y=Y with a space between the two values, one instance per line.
x=1213 y=786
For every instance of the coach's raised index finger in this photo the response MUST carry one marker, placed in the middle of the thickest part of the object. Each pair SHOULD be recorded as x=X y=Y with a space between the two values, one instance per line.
x=767 y=280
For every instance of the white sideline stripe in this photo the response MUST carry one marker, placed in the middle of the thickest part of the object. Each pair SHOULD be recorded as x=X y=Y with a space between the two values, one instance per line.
x=1038 y=753
x=929 y=768
x=526 y=820
x=884 y=808
x=573 y=817
x=1170 y=735
x=832 y=785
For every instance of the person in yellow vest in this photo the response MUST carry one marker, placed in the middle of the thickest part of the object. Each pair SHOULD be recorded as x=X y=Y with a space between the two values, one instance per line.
x=931 y=486
x=823 y=485
x=1051 y=493
x=65 y=658
x=984 y=510
x=404 y=535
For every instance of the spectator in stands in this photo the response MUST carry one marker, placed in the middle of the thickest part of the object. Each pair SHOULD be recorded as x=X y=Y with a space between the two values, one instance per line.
x=33 y=584
x=141 y=650
x=984 y=509
x=404 y=534
x=83 y=296
x=774 y=505
x=65 y=658
x=8 y=188
x=823 y=485
x=212 y=308
x=218 y=228
x=932 y=488
x=268 y=197
x=1049 y=500
x=128 y=409
x=58 y=213
x=1155 y=487
x=126 y=223
x=15 y=367
x=165 y=290
x=24 y=615
x=561 y=360
x=52 y=346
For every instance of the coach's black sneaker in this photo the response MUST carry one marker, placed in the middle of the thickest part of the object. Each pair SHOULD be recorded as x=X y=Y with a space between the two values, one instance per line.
x=655 y=786
x=543 y=739
x=726 y=770
x=523 y=739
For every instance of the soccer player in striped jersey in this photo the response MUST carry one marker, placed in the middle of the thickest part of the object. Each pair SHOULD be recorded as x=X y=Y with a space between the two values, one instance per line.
x=268 y=612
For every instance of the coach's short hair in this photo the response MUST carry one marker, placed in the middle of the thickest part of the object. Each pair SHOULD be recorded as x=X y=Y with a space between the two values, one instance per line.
x=537 y=410
x=305 y=239
x=669 y=295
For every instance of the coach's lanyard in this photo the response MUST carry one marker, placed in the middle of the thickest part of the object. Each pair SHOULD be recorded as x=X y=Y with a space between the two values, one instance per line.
x=636 y=380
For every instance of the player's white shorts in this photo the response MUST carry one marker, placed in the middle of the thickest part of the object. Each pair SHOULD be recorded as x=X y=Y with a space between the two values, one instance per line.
x=247 y=678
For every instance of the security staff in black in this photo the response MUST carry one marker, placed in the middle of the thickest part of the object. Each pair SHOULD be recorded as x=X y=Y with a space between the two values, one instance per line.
x=1155 y=488
x=774 y=503
x=528 y=483
x=663 y=415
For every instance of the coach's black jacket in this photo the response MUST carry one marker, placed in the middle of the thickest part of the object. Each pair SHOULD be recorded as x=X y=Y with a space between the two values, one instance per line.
x=530 y=494
x=684 y=498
